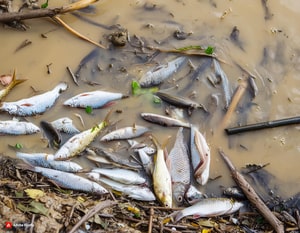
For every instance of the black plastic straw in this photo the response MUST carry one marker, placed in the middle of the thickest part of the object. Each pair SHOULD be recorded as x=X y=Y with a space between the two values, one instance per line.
x=263 y=125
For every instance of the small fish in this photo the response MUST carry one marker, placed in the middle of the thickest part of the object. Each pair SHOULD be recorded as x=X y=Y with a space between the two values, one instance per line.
x=224 y=82
x=136 y=146
x=51 y=133
x=162 y=183
x=94 y=99
x=121 y=175
x=37 y=104
x=137 y=192
x=79 y=142
x=71 y=181
x=234 y=192
x=65 y=125
x=125 y=133
x=47 y=161
x=200 y=156
x=163 y=120
x=14 y=127
x=146 y=161
x=180 y=170
x=10 y=86
x=193 y=195
x=179 y=101
x=209 y=207
x=162 y=72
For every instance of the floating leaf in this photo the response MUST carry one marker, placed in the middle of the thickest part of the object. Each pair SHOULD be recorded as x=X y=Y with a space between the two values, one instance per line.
x=209 y=50
x=45 y=5
x=137 y=90
x=135 y=87
x=18 y=146
x=156 y=100
x=89 y=109
x=34 y=193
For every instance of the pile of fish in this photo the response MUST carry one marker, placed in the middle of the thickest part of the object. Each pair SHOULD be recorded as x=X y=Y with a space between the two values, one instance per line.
x=156 y=175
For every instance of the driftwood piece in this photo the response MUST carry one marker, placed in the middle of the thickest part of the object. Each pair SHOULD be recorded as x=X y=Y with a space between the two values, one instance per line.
x=47 y=12
x=252 y=196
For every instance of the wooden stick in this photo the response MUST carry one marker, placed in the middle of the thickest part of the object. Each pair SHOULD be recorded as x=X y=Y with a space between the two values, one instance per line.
x=150 y=220
x=92 y=212
x=47 y=12
x=253 y=197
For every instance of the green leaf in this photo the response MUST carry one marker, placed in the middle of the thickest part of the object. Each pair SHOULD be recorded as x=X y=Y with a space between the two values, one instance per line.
x=18 y=146
x=137 y=90
x=34 y=207
x=89 y=109
x=190 y=47
x=45 y=5
x=156 y=100
x=209 y=50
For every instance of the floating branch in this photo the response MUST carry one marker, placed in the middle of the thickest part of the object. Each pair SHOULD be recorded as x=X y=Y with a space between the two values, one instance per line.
x=252 y=196
x=263 y=125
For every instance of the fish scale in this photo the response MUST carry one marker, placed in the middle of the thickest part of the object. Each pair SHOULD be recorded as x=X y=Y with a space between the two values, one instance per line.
x=179 y=167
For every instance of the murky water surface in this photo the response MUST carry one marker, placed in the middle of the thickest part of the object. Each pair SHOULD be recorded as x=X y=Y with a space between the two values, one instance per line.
x=267 y=46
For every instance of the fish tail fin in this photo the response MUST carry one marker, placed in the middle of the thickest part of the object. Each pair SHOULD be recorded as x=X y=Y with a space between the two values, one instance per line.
x=24 y=165
x=106 y=119
x=15 y=81
x=124 y=96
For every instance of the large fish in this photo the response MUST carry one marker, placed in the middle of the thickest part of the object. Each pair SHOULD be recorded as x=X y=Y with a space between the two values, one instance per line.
x=10 y=86
x=79 y=142
x=14 y=127
x=121 y=175
x=162 y=72
x=209 y=207
x=180 y=170
x=162 y=183
x=47 y=161
x=94 y=99
x=163 y=120
x=37 y=104
x=71 y=181
x=137 y=192
x=125 y=133
x=200 y=156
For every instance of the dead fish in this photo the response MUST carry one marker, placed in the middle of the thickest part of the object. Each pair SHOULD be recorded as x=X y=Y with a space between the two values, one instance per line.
x=121 y=175
x=200 y=156
x=180 y=170
x=224 y=82
x=125 y=133
x=65 y=125
x=79 y=142
x=15 y=127
x=179 y=101
x=193 y=195
x=163 y=120
x=37 y=104
x=137 y=192
x=94 y=99
x=114 y=157
x=209 y=207
x=162 y=183
x=10 y=86
x=71 y=181
x=146 y=161
x=51 y=133
x=47 y=161
x=136 y=146
x=162 y=72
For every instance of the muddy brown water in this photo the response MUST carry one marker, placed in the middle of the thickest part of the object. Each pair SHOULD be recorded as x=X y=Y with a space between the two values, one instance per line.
x=268 y=47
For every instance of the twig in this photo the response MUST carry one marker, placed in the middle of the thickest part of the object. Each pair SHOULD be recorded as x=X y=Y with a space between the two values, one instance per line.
x=40 y=13
x=150 y=220
x=32 y=224
x=92 y=212
x=72 y=75
x=253 y=197
x=263 y=125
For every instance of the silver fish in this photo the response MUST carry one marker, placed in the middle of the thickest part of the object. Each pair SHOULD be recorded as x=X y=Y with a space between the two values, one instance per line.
x=79 y=142
x=147 y=161
x=121 y=175
x=180 y=170
x=193 y=195
x=136 y=192
x=163 y=120
x=136 y=146
x=37 y=104
x=209 y=207
x=95 y=99
x=125 y=133
x=200 y=156
x=47 y=161
x=162 y=72
x=71 y=181
x=14 y=127
x=65 y=125
x=224 y=82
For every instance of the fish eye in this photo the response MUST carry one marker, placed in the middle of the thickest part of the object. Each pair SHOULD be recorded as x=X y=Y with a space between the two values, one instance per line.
x=179 y=198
